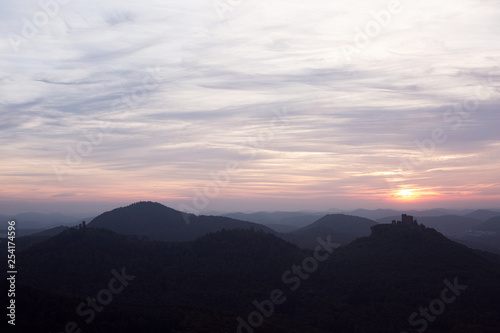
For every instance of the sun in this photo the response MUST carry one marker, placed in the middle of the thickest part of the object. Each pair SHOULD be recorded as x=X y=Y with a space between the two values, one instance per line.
x=405 y=193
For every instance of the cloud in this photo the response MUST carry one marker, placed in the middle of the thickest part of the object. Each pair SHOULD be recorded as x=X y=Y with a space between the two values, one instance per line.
x=63 y=195
x=116 y=18
x=350 y=120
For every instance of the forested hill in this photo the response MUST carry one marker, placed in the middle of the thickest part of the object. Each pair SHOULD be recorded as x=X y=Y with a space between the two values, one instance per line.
x=374 y=284
x=159 y=222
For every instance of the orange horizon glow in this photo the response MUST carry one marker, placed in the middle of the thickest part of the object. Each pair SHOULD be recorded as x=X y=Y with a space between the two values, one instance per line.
x=408 y=195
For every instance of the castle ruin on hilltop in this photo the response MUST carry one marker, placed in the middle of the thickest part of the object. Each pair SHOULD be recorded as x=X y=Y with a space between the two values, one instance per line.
x=406 y=220
x=407 y=226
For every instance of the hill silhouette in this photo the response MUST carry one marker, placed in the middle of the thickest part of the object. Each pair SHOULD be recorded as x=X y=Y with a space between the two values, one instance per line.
x=342 y=228
x=372 y=284
x=398 y=268
x=450 y=225
x=297 y=219
x=179 y=281
x=491 y=224
x=482 y=214
x=158 y=222
x=49 y=232
x=282 y=228
x=485 y=236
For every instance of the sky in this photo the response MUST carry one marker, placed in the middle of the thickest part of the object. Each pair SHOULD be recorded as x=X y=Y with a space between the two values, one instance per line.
x=249 y=105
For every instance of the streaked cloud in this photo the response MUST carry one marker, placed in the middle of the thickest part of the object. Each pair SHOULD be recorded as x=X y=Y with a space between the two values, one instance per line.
x=159 y=95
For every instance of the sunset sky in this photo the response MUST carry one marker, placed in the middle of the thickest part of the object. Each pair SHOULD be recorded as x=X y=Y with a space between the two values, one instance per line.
x=248 y=105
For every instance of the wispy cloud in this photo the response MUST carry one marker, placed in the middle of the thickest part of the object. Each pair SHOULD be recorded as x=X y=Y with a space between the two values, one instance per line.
x=350 y=121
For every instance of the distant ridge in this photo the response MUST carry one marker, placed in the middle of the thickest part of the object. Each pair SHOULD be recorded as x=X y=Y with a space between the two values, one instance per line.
x=483 y=214
x=342 y=228
x=377 y=214
x=159 y=222
x=50 y=232
x=450 y=225
x=491 y=224
x=39 y=220
x=297 y=219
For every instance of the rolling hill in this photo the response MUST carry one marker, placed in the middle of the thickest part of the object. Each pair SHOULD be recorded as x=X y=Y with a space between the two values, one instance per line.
x=374 y=284
x=491 y=224
x=483 y=214
x=465 y=230
x=485 y=236
x=158 y=222
x=297 y=219
x=342 y=228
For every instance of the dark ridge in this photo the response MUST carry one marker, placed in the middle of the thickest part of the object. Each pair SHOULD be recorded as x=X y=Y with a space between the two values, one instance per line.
x=159 y=222
x=372 y=284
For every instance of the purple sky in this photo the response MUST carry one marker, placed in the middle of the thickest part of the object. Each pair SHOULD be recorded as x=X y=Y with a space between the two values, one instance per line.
x=249 y=105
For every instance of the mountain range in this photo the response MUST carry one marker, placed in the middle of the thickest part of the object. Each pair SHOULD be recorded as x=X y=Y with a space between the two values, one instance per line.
x=246 y=280
x=376 y=214
x=158 y=222
x=40 y=221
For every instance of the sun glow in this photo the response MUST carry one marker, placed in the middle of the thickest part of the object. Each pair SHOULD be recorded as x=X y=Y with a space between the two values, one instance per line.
x=406 y=195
